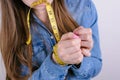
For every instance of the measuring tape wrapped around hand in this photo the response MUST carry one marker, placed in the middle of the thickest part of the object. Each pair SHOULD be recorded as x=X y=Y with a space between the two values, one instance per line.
x=51 y=18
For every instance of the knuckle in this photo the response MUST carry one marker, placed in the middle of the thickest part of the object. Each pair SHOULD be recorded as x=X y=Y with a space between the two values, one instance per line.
x=87 y=37
x=90 y=30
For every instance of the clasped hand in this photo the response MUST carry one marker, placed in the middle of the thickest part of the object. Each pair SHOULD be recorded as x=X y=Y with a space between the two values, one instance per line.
x=76 y=45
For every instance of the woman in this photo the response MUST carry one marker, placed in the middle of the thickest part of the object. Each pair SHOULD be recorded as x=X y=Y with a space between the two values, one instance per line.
x=78 y=49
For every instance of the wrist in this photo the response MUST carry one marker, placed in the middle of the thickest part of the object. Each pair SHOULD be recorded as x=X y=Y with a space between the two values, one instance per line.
x=53 y=58
x=57 y=60
x=56 y=56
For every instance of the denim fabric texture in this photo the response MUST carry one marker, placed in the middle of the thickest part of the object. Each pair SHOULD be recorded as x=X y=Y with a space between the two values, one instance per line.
x=85 y=14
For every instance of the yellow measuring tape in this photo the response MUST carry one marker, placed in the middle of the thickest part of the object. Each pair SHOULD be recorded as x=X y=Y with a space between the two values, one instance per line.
x=53 y=24
x=51 y=18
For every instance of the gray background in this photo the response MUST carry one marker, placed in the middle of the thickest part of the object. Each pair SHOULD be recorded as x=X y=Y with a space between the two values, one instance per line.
x=109 y=19
x=109 y=26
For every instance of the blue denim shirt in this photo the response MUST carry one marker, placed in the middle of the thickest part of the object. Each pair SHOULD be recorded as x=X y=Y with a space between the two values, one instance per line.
x=84 y=13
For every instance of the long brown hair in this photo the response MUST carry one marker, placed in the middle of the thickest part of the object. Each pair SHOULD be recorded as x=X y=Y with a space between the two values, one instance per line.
x=14 y=33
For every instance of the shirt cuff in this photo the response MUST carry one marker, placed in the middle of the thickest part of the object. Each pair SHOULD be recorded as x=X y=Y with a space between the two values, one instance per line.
x=54 y=69
x=84 y=69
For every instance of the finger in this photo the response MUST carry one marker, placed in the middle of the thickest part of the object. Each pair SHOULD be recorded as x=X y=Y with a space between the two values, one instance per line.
x=81 y=31
x=86 y=37
x=69 y=35
x=72 y=50
x=86 y=52
x=69 y=43
x=75 y=58
x=80 y=59
x=87 y=44
x=80 y=27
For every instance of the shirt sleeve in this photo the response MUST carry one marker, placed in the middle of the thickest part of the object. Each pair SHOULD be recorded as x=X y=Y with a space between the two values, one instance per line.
x=50 y=70
x=90 y=66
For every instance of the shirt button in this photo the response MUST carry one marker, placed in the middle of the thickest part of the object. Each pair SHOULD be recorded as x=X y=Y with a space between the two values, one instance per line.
x=51 y=37
x=83 y=74
x=64 y=78
x=66 y=71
